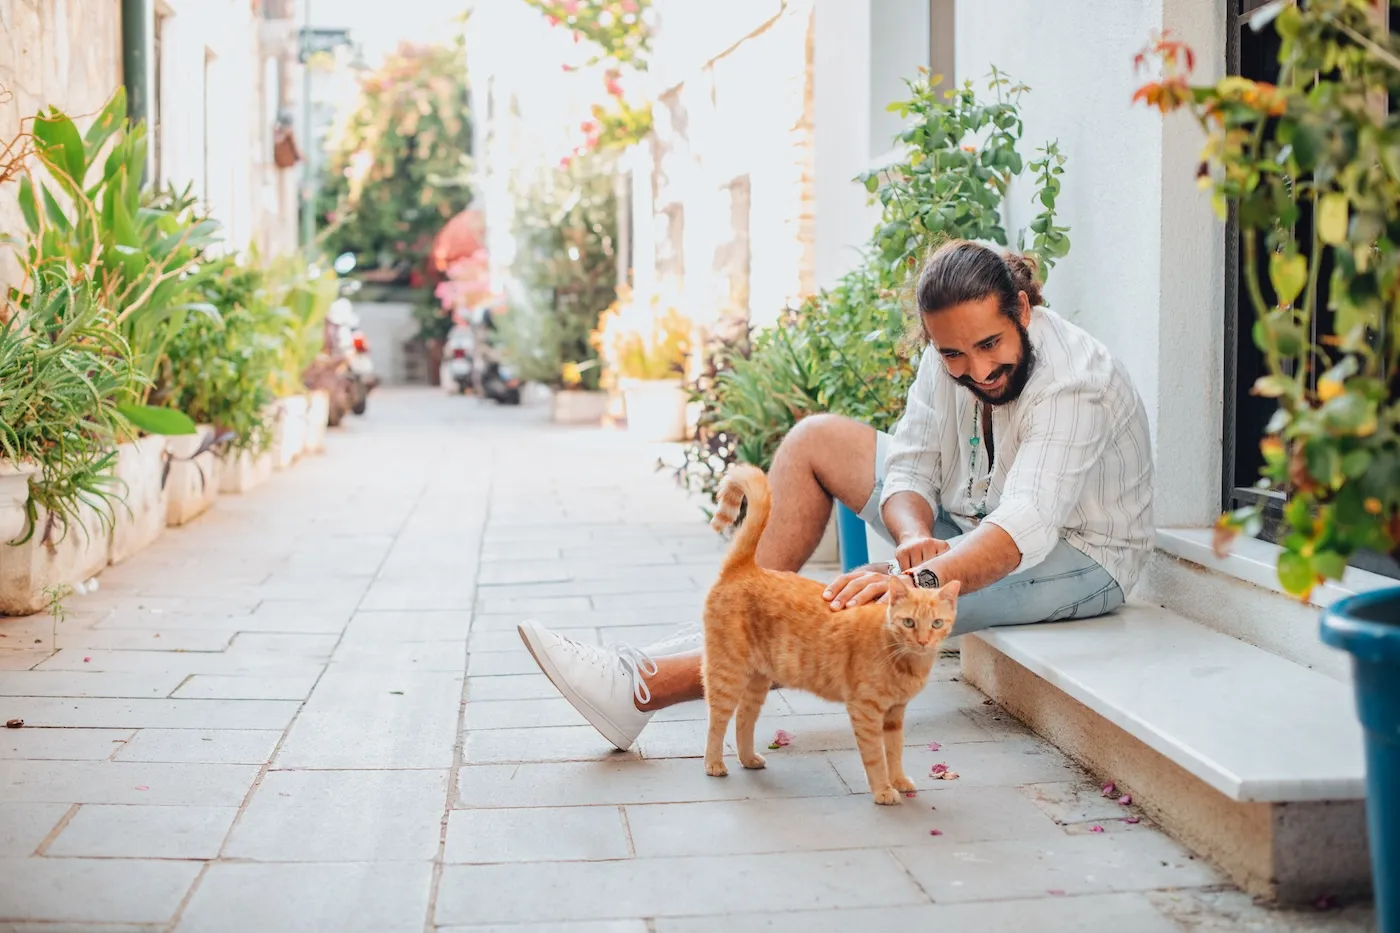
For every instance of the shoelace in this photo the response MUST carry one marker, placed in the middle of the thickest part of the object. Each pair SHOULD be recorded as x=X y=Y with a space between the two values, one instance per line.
x=635 y=663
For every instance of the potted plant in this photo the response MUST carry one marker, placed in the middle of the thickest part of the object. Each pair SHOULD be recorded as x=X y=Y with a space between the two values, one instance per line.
x=305 y=295
x=62 y=371
x=1311 y=169
x=843 y=350
x=143 y=249
x=645 y=347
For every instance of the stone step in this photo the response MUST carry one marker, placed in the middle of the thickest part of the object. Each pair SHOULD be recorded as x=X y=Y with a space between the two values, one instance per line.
x=1250 y=759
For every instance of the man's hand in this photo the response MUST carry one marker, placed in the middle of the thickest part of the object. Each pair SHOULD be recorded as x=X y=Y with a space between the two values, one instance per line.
x=857 y=588
x=916 y=549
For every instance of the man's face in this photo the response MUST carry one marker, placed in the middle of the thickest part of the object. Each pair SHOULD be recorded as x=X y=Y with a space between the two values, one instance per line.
x=983 y=349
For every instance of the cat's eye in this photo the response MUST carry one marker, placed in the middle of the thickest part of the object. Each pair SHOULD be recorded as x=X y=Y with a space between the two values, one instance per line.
x=908 y=623
x=937 y=623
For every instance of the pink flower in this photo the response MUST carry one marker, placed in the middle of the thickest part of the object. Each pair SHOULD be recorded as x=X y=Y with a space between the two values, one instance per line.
x=553 y=20
x=781 y=738
x=939 y=769
x=1110 y=789
x=1096 y=828
x=1126 y=799
x=911 y=793
x=629 y=6
x=1133 y=820
x=587 y=126
x=570 y=6
x=613 y=87
x=934 y=746
x=142 y=787
x=935 y=832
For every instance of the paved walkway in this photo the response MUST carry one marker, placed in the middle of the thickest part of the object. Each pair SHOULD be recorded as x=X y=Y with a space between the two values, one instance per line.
x=310 y=711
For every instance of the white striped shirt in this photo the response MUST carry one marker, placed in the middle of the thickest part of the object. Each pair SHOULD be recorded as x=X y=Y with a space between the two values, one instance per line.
x=1073 y=454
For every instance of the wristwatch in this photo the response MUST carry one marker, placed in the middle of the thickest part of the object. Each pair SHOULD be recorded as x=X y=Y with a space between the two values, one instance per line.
x=924 y=578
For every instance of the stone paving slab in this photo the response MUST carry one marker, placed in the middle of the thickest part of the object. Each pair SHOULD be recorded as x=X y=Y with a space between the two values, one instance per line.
x=310 y=711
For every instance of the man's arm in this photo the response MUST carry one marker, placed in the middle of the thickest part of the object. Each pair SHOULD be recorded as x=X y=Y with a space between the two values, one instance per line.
x=909 y=518
x=982 y=557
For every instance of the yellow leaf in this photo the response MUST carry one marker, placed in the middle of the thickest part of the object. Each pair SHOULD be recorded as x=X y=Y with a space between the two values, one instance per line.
x=1332 y=218
x=1288 y=274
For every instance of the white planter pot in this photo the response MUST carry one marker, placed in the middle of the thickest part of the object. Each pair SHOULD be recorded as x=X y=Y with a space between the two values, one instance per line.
x=30 y=573
x=655 y=408
x=14 y=496
x=318 y=415
x=191 y=486
x=140 y=517
x=242 y=472
x=575 y=406
x=289 y=437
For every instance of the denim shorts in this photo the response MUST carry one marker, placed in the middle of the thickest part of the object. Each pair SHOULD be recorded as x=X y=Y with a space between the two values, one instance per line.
x=1068 y=584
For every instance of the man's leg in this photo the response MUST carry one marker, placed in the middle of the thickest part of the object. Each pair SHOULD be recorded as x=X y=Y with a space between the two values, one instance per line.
x=823 y=457
x=1066 y=585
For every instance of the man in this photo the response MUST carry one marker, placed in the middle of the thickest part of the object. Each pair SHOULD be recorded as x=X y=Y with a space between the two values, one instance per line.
x=1021 y=467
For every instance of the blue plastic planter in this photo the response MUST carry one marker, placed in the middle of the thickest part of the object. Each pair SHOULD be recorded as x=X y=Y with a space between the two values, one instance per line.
x=1368 y=628
x=850 y=536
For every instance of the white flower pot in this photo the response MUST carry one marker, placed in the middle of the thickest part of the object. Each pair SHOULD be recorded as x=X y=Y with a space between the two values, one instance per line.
x=242 y=471
x=576 y=406
x=655 y=408
x=14 y=496
x=32 y=574
x=318 y=415
x=139 y=518
x=191 y=486
x=289 y=437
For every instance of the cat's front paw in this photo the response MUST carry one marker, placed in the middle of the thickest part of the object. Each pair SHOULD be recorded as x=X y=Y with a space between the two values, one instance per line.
x=716 y=768
x=904 y=784
x=754 y=761
x=886 y=796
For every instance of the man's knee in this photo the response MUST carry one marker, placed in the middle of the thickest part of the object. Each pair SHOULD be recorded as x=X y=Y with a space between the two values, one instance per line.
x=838 y=451
x=816 y=435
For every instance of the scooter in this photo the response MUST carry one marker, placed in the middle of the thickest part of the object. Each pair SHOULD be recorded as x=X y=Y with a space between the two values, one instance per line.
x=498 y=381
x=459 y=359
x=347 y=341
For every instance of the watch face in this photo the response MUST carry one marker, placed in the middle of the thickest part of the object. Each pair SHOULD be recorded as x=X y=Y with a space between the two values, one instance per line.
x=927 y=579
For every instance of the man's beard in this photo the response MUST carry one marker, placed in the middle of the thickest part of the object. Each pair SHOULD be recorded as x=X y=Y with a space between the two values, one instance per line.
x=1019 y=374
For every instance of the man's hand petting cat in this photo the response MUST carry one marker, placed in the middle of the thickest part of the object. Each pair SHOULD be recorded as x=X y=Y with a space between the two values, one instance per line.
x=915 y=549
x=857 y=588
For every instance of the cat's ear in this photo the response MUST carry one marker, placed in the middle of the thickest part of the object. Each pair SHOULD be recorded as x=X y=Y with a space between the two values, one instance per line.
x=950 y=590
x=899 y=590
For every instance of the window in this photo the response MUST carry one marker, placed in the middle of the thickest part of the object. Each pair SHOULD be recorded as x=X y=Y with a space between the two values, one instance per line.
x=1255 y=56
x=905 y=35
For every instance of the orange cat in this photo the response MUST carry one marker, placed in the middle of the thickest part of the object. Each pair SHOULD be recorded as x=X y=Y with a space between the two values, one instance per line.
x=763 y=627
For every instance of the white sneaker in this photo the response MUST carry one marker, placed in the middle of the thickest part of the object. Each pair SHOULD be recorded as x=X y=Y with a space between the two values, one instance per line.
x=691 y=638
x=601 y=683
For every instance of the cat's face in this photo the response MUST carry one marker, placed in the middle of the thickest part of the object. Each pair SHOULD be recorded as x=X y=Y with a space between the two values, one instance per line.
x=922 y=618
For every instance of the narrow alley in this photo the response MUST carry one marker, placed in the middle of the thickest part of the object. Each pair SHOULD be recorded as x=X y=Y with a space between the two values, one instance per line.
x=311 y=712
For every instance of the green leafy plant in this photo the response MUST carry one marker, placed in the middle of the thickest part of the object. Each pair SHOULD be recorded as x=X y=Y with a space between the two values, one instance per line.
x=841 y=352
x=226 y=368
x=566 y=266
x=63 y=368
x=1311 y=168
x=400 y=161
x=141 y=250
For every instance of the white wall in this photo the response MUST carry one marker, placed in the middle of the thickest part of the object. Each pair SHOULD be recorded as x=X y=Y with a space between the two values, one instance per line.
x=223 y=127
x=1145 y=273
x=841 y=91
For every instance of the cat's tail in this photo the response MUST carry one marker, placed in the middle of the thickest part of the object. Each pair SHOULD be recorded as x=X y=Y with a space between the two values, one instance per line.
x=743 y=481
